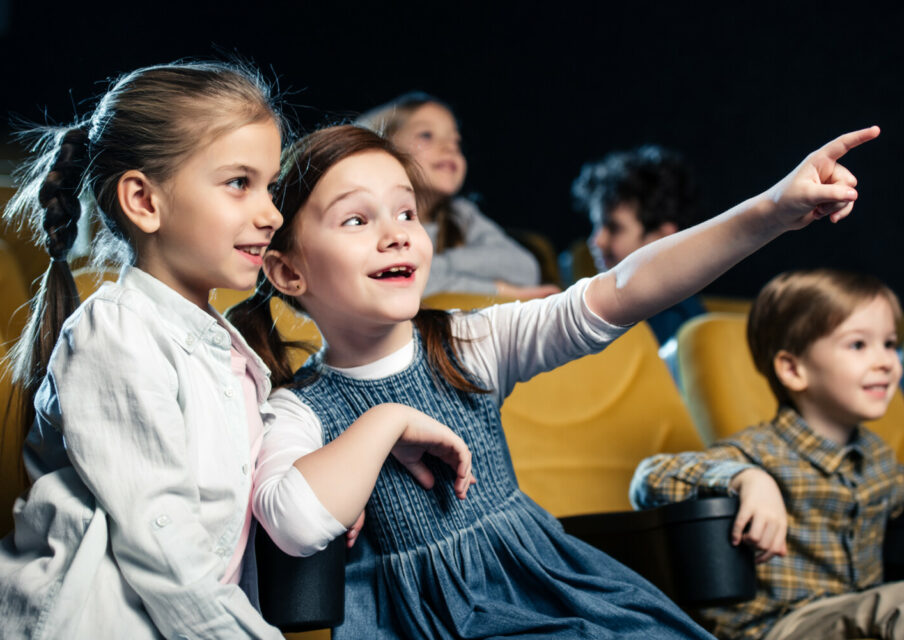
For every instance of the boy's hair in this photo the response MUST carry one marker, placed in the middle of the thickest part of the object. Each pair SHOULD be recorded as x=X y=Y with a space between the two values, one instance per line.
x=149 y=120
x=797 y=308
x=386 y=120
x=655 y=180
x=303 y=165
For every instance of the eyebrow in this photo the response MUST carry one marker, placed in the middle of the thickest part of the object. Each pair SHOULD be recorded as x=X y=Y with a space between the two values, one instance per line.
x=351 y=192
x=246 y=169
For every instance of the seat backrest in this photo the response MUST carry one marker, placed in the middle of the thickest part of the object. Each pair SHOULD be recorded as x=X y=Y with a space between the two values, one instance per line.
x=449 y=300
x=12 y=479
x=725 y=393
x=578 y=432
x=89 y=279
x=13 y=293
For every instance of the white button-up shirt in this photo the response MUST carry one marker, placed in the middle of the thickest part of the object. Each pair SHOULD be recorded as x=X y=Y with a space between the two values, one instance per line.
x=139 y=456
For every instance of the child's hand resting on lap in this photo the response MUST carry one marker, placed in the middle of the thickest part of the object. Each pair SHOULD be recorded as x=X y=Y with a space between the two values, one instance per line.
x=762 y=521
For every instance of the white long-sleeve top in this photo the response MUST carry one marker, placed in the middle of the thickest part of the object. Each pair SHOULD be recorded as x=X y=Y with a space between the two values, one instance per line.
x=501 y=345
x=142 y=475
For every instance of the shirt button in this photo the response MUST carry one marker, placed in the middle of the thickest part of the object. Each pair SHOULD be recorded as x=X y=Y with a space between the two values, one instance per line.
x=228 y=392
x=190 y=340
x=218 y=339
x=162 y=521
x=220 y=551
x=245 y=469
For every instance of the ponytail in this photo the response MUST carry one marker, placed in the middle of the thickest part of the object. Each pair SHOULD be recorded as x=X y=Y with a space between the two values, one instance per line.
x=441 y=349
x=253 y=319
x=51 y=192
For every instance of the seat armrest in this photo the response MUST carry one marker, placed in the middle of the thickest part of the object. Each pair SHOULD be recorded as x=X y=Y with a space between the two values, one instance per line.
x=301 y=594
x=893 y=550
x=683 y=548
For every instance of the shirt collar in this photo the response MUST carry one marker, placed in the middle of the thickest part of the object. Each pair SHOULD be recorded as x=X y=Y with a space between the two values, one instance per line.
x=821 y=452
x=190 y=325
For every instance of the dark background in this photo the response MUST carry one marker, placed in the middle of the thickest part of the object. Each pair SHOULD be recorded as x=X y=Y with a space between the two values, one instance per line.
x=743 y=90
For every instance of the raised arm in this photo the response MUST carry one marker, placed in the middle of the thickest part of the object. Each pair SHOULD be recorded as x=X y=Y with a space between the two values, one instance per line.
x=666 y=271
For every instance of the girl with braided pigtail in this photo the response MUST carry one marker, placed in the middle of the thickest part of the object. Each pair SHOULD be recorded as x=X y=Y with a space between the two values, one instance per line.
x=148 y=407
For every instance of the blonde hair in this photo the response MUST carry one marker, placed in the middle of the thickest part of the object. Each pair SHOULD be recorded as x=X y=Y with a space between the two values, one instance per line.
x=149 y=120
x=797 y=308
x=386 y=120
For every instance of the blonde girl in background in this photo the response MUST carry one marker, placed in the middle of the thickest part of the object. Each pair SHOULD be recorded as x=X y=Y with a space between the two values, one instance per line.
x=149 y=410
x=471 y=252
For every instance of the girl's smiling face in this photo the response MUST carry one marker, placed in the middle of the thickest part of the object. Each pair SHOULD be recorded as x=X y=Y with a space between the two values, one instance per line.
x=361 y=253
x=431 y=137
x=216 y=215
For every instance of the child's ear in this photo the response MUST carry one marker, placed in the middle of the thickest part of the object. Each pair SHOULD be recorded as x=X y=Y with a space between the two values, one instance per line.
x=283 y=275
x=663 y=230
x=138 y=200
x=790 y=371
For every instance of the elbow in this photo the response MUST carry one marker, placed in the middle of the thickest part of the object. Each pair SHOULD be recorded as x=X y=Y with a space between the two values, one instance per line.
x=298 y=526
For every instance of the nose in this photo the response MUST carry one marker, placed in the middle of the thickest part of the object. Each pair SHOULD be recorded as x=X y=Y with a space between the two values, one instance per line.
x=393 y=236
x=268 y=216
x=600 y=238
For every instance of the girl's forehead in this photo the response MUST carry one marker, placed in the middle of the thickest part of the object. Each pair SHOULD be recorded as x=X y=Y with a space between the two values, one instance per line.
x=432 y=113
x=373 y=171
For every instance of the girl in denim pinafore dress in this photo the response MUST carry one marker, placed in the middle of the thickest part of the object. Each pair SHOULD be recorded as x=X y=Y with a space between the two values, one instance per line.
x=429 y=564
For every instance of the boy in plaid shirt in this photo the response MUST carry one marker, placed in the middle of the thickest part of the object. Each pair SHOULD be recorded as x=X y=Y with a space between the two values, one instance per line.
x=816 y=488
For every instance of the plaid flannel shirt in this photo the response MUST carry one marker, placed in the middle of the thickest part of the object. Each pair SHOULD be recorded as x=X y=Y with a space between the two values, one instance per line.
x=839 y=499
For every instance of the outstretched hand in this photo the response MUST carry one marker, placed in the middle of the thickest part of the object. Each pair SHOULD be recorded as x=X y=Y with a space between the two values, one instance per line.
x=426 y=435
x=820 y=186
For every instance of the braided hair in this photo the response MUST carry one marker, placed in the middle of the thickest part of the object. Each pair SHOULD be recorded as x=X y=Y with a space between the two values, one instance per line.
x=149 y=120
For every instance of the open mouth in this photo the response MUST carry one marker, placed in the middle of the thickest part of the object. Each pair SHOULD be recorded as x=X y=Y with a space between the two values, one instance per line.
x=253 y=252
x=395 y=272
x=446 y=166
x=878 y=389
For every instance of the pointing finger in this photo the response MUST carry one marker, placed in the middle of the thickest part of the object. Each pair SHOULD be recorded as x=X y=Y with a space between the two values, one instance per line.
x=847 y=141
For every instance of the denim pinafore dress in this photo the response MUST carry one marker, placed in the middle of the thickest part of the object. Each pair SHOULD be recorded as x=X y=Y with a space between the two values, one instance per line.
x=495 y=565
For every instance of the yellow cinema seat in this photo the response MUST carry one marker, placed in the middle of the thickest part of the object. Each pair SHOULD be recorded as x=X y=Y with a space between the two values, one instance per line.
x=89 y=279
x=448 y=300
x=724 y=391
x=578 y=432
x=13 y=293
x=12 y=477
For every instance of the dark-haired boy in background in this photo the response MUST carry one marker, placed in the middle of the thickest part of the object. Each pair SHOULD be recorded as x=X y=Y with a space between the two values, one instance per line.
x=633 y=198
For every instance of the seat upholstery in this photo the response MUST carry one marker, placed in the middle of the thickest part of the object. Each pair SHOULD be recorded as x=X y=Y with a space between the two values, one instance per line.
x=12 y=476
x=578 y=432
x=724 y=391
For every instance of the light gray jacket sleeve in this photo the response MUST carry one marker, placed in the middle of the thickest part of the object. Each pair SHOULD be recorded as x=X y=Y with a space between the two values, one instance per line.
x=487 y=255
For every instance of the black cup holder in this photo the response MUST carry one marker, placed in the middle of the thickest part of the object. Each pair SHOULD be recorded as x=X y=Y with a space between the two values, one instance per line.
x=683 y=548
x=301 y=594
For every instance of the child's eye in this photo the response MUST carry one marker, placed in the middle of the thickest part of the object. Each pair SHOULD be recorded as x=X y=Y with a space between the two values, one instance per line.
x=857 y=345
x=353 y=221
x=425 y=135
x=408 y=214
x=891 y=343
x=240 y=183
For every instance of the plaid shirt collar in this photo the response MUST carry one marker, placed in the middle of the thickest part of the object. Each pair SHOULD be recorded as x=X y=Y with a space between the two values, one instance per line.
x=821 y=452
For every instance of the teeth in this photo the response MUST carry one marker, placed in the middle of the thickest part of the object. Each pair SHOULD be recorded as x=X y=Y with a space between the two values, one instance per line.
x=255 y=251
x=391 y=271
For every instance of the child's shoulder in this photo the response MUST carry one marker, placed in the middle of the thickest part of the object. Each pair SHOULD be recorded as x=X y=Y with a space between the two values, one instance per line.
x=759 y=442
